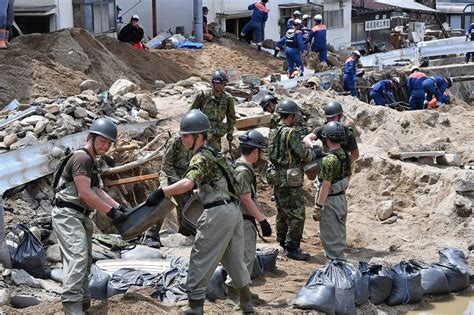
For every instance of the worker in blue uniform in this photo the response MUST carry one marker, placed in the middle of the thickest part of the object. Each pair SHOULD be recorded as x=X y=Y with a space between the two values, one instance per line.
x=294 y=48
x=436 y=86
x=382 y=92
x=306 y=29
x=291 y=21
x=256 y=23
x=318 y=36
x=470 y=36
x=350 y=72
x=415 y=88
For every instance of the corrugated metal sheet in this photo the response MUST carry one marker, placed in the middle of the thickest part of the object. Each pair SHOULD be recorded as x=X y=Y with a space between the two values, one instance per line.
x=407 y=5
x=452 y=8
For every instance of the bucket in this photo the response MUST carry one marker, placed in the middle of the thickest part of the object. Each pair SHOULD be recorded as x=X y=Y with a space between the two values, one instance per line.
x=312 y=168
x=142 y=217
x=191 y=213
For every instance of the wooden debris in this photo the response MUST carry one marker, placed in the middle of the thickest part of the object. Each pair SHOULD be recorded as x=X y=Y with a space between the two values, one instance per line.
x=131 y=180
x=253 y=121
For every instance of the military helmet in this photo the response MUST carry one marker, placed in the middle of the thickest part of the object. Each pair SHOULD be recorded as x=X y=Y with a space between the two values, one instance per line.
x=267 y=99
x=219 y=76
x=194 y=122
x=333 y=108
x=318 y=17
x=104 y=127
x=287 y=107
x=334 y=131
x=253 y=138
x=450 y=82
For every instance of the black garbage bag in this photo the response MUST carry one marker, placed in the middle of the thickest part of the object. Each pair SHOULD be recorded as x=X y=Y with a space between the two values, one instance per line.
x=360 y=279
x=345 y=295
x=122 y=279
x=170 y=285
x=380 y=284
x=267 y=259
x=433 y=280
x=215 y=288
x=406 y=286
x=456 y=257
x=98 y=281
x=317 y=294
x=458 y=279
x=29 y=254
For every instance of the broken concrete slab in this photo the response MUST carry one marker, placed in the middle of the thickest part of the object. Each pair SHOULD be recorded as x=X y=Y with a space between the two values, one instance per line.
x=147 y=104
x=385 y=210
x=122 y=87
x=21 y=277
x=91 y=85
x=464 y=183
x=32 y=120
x=449 y=159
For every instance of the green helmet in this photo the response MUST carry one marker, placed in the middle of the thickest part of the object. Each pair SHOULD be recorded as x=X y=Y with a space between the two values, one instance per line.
x=267 y=99
x=194 y=122
x=287 y=107
x=334 y=131
x=219 y=76
x=253 y=138
x=333 y=108
x=104 y=127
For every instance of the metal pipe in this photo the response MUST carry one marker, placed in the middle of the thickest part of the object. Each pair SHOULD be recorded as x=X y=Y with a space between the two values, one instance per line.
x=153 y=16
x=4 y=252
x=198 y=27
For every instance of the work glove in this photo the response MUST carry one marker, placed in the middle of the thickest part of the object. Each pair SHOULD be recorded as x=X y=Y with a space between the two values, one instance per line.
x=266 y=228
x=230 y=137
x=318 y=209
x=155 y=197
x=117 y=214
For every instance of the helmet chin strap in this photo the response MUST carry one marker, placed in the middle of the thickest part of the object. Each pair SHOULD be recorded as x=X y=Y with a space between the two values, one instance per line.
x=194 y=141
x=93 y=144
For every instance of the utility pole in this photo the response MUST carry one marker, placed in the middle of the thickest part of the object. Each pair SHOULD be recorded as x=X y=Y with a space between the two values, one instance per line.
x=153 y=16
x=198 y=31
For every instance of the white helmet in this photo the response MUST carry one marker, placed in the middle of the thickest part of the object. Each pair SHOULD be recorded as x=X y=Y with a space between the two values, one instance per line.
x=306 y=17
x=297 y=22
x=297 y=13
x=318 y=17
x=396 y=80
x=415 y=68
x=357 y=53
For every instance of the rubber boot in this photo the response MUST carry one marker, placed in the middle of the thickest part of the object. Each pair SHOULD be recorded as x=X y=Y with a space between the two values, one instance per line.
x=73 y=308
x=466 y=58
x=246 y=300
x=194 y=307
x=3 y=43
x=233 y=297
x=86 y=305
x=297 y=254
x=259 y=47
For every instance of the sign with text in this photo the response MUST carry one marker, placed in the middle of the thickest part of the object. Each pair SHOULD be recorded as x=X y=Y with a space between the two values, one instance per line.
x=373 y=25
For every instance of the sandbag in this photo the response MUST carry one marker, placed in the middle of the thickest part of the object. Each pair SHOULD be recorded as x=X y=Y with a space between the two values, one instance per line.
x=122 y=279
x=345 y=295
x=267 y=259
x=318 y=294
x=98 y=281
x=360 y=281
x=215 y=288
x=141 y=252
x=29 y=255
x=456 y=257
x=433 y=280
x=458 y=279
x=406 y=286
x=380 y=284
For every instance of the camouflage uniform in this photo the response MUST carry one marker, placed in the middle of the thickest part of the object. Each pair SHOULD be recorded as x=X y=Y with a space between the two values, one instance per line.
x=299 y=122
x=216 y=109
x=220 y=233
x=175 y=163
x=335 y=168
x=286 y=151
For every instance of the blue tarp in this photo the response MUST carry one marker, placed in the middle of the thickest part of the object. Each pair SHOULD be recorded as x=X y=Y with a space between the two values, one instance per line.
x=189 y=44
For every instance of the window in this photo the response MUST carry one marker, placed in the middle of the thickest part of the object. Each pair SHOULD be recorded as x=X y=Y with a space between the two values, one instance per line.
x=455 y=21
x=359 y=34
x=334 y=19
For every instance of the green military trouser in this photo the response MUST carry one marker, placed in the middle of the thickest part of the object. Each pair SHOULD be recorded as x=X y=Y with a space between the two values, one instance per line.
x=214 y=140
x=290 y=218
x=74 y=231
x=332 y=227
x=250 y=246
x=219 y=238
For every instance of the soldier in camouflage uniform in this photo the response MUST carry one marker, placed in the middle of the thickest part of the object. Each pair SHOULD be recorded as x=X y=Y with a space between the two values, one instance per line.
x=219 y=235
x=287 y=155
x=269 y=104
x=217 y=105
x=175 y=163
x=331 y=203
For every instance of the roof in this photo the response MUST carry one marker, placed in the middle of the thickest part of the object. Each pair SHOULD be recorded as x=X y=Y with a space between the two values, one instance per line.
x=453 y=8
x=407 y=5
x=290 y=5
x=373 y=6
x=35 y=10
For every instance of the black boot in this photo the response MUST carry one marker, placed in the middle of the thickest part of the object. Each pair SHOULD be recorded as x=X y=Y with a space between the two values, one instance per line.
x=86 y=305
x=194 y=307
x=297 y=254
x=259 y=47
x=246 y=300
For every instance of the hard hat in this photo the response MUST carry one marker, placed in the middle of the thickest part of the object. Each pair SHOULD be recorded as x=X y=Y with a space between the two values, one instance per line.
x=253 y=138
x=104 y=127
x=194 y=122
x=334 y=131
x=219 y=76
x=333 y=108
x=287 y=107
x=396 y=80
x=296 y=13
x=318 y=17
x=415 y=68
x=267 y=99
x=357 y=53
x=135 y=17
x=306 y=17
x=297 y=22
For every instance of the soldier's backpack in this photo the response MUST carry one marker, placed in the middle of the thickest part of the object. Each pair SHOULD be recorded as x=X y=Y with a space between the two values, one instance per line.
x=58 y=171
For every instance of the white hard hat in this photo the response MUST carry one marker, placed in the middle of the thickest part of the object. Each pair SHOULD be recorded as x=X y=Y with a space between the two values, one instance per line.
x=297 y=22
x=415 y=68
x=135 y=17
x=297 y=12
x=396 y=80
x=318 y=17
x=306 y=16
x=357 y=53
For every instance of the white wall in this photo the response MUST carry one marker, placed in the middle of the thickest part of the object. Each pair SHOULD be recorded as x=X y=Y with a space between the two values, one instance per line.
x=63 y=17
x=340 y=38
x=169 y=14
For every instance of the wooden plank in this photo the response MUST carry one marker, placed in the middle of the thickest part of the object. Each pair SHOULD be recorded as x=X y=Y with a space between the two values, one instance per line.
x=131 y=180
x=407 y=155
x=253 y=121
